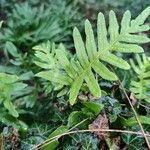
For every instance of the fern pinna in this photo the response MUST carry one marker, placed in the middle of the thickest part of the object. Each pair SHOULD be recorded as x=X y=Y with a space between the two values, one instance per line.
x=91 y=54
x=140 y=86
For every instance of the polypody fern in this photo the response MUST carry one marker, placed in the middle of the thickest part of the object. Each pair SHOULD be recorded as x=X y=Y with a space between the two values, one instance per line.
x=9 y=87
x=91 y=54
x=141 y=85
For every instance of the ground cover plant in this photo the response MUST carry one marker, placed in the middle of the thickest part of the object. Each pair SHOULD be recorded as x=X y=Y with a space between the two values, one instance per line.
x=72 y=83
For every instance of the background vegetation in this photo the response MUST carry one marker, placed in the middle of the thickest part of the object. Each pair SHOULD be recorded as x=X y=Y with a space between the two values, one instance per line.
x=33 y=110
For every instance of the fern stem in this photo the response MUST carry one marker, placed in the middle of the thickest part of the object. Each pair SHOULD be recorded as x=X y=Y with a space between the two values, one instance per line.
x=136 y=116
x=99 y=53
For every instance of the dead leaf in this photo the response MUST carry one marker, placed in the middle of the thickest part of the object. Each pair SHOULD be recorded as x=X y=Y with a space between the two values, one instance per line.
x=101 y=122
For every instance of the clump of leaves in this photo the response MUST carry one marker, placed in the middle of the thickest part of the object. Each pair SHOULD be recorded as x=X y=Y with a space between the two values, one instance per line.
x=77 y=119
x=17 y=63
x=46 y=59
x=36 y=134
x=112 y=107
x=133 y=142
x=28 y=25
x=81 y=141
x=11 y=87
x=90 y=57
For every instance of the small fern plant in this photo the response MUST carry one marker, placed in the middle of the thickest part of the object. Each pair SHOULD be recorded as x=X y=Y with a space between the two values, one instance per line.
x=10 y=88
x=46 y=59
x=140 y=86
x=91 y=54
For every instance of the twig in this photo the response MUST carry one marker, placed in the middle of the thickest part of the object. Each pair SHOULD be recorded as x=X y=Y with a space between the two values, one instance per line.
x=82 y=131
x=136 y=116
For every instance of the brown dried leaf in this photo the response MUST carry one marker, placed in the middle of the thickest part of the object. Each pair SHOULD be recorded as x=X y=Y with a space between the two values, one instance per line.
x=133 y=99
x=15 y=141
x=101 y=122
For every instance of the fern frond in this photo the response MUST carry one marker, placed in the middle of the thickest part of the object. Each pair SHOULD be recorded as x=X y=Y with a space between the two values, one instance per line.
x=46 y=59
x=9 y=86
x=45 y=55
x=91 y=54
x=141 y=85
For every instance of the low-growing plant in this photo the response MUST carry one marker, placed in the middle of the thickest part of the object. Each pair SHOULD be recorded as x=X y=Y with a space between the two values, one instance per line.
x=28 y=25
x=18 y=64
x=35 y=113
x=10 y=86
x=90 y=57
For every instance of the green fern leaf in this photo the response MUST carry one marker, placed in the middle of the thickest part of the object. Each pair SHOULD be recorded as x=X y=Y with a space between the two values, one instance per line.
x=45 y=55
x=140 y=19
x=116 y=61
x=141 y=85
x=91 y=54
x=80 y=48
x=10 y=85
x=74 y=90
x=92 y=83
x=127 y=48
x=103 y=71
x=55 y=77
x=90 y=41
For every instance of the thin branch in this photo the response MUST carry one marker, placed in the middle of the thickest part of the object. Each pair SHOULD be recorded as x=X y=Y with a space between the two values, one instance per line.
x=136 y=116
x=83 y=131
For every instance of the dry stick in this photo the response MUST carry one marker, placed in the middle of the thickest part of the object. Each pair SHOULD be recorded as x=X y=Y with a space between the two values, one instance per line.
x=82 y=131
x=136 y=116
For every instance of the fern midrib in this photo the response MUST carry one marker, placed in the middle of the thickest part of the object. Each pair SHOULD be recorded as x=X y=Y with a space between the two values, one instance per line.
x=97 y=57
